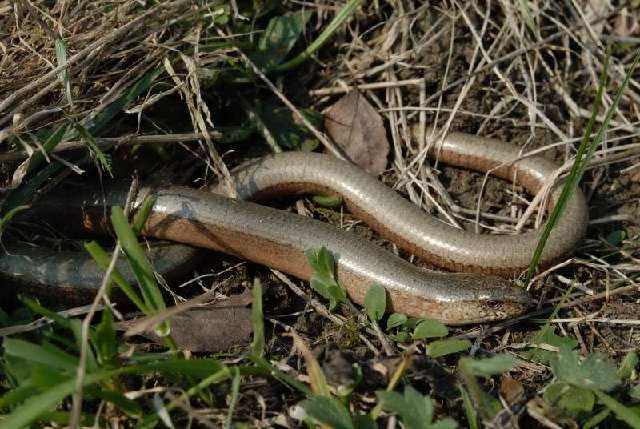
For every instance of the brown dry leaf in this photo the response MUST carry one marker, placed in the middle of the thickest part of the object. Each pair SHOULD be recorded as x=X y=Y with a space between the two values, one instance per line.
x=511 y=390
x=355 y=125
x=211 y=328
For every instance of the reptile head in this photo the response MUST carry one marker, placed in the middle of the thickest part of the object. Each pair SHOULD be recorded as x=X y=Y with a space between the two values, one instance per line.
x=489 y=298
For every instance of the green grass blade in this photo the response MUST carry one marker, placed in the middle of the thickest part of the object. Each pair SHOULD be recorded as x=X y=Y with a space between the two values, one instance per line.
x=25 y=192
x=61 y=57
x=469 y=409
x=102 y=160
x=222 y=375
x=621 y=411
x=45 y=312
x=486 y=404
x=547 y=324
x=9 y=215
x=17 y=395
x=142 y=214
x=268 y=369
x=94 y=125
x=50 y=357
x=98 y=123
x=235 y=389
x=119 y=400
x=37 y=405
x=584 y=154
x=140 y=266
x=326 y=34
x=102 y=258
x=49 y=144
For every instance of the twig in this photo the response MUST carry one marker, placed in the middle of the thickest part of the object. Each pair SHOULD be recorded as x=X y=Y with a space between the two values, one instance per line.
x=76 y=410
x=366 y=86
x=44 y=321
x=108 y=142
x=597 y=320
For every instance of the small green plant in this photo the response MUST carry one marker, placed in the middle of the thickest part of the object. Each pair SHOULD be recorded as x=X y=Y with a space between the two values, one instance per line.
x=44 y=373
x=400 y=327
x=547 y=338
x=375 y=302
x=615 y=238
x=592 y=372
x=330 y=411
x=277 y=40
x=340 y=18
x=581 y=383
x=150 y=300
x=404 y=328
x=414 y=409
x=427 y=328
x=324 y=279
x=486 y=405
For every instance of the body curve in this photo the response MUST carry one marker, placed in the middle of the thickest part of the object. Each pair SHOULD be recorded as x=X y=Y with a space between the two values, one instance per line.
x=278 y=239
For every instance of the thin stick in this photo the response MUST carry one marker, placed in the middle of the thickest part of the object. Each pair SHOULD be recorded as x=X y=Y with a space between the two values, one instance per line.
x=597 y=320
x=515 y=53
x=366 y=86
x=108 y=142
x=76 y=410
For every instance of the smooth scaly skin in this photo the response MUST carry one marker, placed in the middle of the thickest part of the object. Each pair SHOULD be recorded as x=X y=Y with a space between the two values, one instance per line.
x=407 y=225
x=278 y=239
x=72 y=277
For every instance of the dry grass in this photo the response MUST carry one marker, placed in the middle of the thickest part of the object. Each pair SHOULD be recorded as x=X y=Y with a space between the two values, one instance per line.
x=519 y=71
x=109 y=45
x=486 y=72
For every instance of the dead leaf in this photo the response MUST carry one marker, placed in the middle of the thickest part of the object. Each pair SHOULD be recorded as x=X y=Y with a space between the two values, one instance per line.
x=511 y=390
x=210 y=328
x=355 y=125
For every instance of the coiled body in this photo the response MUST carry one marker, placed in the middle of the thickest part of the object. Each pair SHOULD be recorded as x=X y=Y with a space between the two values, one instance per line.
x=278 y=239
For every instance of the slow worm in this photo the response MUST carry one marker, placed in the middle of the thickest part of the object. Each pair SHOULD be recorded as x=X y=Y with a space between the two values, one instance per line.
x=72 y=277
x=278 y=238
